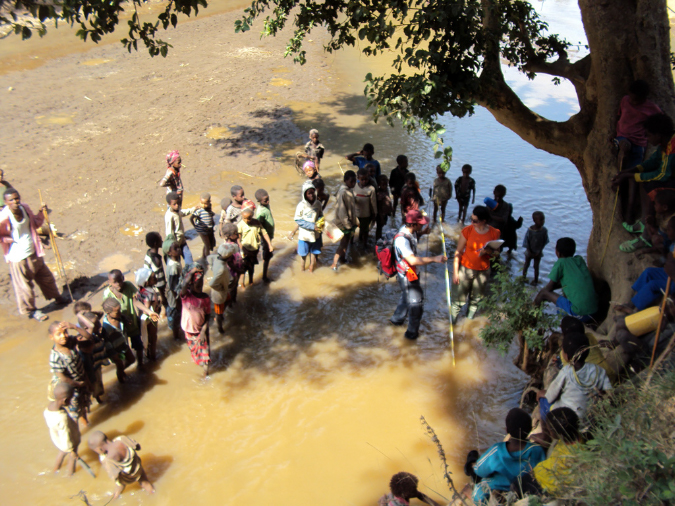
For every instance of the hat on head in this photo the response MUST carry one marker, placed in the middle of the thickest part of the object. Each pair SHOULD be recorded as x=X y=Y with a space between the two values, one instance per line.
x=308 y=163
x=415 y=216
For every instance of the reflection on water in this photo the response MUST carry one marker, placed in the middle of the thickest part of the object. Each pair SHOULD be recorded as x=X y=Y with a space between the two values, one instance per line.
x=314 y=398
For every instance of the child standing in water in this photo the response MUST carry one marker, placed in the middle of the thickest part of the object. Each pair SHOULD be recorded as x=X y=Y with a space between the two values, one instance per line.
x=172 y=180
x=93 y=351
x=314 y=150
x=173 y=223
x=310 y=170
x=115 y=337
x=345 y=216
x=148 y=295
x=366 y=205
x=307 y=213
x=195 y=318
x=361 y=158
x=153 y=261
x=220 y=282
x=536 y=238
x=442 y=192
x=174 y=274
x=411 y=198
x=264 y=215
x=121 y=462
x=233 y=211
x=321 y=194
x=63 y=430
x=465 y=192
x=397 y=180
x=250 y=232
x=202 y=220
x=67 y=367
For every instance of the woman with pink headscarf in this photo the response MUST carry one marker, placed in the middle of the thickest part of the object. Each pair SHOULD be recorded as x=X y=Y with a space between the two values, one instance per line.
x=171 y=179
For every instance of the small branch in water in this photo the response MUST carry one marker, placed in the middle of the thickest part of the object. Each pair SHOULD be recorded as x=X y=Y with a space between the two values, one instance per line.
x=83 y=497
x=441 y=453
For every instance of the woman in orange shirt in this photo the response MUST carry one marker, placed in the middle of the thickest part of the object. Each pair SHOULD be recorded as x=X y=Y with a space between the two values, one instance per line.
x=469 y=278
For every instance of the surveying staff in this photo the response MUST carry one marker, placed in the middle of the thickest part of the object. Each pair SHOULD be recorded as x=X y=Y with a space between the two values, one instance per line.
x=405 y=251
x=24 y=254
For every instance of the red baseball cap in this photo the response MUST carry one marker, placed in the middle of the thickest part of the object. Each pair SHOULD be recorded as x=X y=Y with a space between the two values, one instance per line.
x=415 y=216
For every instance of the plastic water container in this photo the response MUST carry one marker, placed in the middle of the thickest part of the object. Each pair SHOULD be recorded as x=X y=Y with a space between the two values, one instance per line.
x=643 y=321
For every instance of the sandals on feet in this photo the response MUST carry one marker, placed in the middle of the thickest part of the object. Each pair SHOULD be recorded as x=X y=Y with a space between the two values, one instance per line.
x=38 y=315
x=634 y=245
x=636 y=228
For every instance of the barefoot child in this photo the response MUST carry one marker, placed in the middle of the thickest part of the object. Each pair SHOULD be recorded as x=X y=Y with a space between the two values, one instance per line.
x=233 y=211
x=397 y=180
x=465 y=191
x=536 y=238
x=63 y=430
x=442 y=192
x=174 y=274
x=345 y=216
x=264 y=216
x=149 y=296
x=202 y=220
x=411 y=198
x=307 y=213
x=314 y=150
x=153 y=261
x=173 y=223
x=366 y=205
x=125 y=292
x=235 y=262
x=196 y=310
x=321 y=193
x=250 y=232
x=120 y=460
x=115 y=337
x=66 y=367
x=171 y=180
x=220 y=282
x=92 y=352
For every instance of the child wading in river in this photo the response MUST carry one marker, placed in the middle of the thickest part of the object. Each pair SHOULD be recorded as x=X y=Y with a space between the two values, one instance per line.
x=465 y=192
x=442 y=192
x=366 y=205
x=121 y=462
x=66 y=366
x=202 y=220
x=345 y=216
x=149 y=296
x=115 y=337
x=153 y=261
x=220 y=282
x=307 y=213
x=92 y=352
x=384 y=207
x=264 y=215
x=536 y=238
x=250 y=232
x=63 y=430
x=196 y=307
x=174 y=274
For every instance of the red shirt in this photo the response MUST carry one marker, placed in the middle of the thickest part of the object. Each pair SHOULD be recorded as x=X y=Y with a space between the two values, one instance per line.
x=631 y=118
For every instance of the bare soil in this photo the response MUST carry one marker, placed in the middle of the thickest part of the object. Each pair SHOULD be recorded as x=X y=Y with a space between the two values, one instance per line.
x=91 y=130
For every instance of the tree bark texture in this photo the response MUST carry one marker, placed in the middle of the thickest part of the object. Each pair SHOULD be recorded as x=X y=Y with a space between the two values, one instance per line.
x=628 y=40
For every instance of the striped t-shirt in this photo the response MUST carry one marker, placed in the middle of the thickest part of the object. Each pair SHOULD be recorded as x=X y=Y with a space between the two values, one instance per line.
x=153 y=261
x=203 y=221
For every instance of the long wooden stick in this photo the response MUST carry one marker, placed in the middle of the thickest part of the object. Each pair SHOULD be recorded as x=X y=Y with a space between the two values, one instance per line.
x=658 y=329
x=611 y=223
x=447 y=293
x=57 y=255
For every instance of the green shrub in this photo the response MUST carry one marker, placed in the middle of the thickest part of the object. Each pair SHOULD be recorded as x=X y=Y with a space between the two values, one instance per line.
x=510 y=312
x=631 y=458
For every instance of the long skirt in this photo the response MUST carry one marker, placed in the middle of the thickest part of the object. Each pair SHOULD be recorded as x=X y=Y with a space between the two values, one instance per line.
x=199 y=350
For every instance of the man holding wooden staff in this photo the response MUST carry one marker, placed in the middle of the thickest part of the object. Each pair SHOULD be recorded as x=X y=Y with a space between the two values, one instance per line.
x=24 y=253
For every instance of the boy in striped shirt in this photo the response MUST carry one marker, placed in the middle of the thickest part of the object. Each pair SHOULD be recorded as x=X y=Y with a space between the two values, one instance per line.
x=202 y=220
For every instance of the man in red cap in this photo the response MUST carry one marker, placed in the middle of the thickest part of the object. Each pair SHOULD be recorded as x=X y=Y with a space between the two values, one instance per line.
x=407 y=261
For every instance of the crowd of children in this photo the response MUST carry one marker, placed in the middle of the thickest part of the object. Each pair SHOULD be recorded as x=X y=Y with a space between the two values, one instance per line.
x=172 y=281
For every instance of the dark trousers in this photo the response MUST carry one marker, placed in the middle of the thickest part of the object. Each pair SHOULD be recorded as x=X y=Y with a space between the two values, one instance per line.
x=411 y=304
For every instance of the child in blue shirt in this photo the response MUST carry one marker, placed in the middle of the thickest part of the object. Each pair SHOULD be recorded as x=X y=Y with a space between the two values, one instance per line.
x=505 y=462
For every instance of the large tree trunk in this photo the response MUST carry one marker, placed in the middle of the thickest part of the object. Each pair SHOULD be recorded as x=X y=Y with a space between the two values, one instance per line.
x=629 y=40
